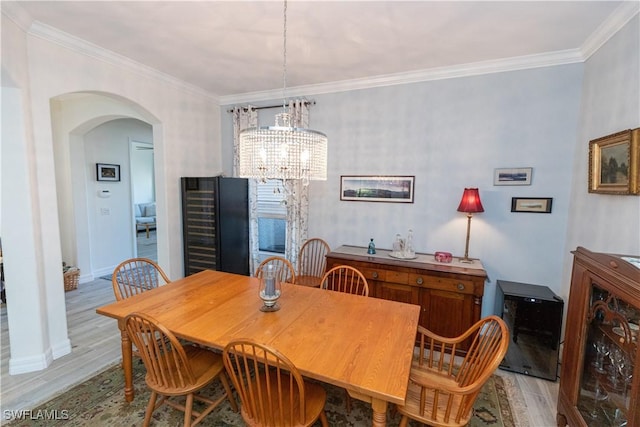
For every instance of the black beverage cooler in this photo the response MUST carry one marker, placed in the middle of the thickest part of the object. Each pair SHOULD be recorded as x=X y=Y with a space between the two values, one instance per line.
x=533 y=314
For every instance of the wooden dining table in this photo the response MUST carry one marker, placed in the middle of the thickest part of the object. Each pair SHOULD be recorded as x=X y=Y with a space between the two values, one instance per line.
x=362 y=344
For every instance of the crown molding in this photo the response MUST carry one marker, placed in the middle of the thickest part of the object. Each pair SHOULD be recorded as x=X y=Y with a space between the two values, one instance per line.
x=89 y=49
x=620 y=17
x=614 y=23
x=16 y=14
x=569 y=56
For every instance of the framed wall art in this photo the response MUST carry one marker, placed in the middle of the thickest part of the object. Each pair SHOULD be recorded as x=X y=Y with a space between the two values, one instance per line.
x=531 y=204
x=376 y=188
x=107 y=172
x=613 y=163
x=512 y=176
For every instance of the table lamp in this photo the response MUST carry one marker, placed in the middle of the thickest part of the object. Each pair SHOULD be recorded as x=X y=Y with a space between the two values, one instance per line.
x=469 y=204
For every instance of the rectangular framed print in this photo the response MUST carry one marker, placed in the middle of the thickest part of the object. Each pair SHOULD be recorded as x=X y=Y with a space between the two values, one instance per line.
x=377 y=188
x=531 y=204
x=512 y=176
x=107 y=172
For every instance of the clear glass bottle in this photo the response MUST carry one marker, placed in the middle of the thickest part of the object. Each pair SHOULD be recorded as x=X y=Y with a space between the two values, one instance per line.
x=397 y=245
x=409 y=252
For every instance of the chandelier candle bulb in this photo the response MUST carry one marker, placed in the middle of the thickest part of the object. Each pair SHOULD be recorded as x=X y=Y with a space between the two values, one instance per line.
x=270 y=286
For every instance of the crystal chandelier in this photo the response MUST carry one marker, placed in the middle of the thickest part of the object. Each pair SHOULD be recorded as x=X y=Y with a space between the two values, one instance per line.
x=283 y=151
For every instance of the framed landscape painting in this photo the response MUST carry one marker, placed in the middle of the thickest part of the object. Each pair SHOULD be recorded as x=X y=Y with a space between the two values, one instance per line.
x=512 y=176
x=531 y=204
x=613 y=163
x=376 y=188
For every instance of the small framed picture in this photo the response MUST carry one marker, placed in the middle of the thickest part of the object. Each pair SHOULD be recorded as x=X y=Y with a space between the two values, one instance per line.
x=512 y=176
x=107 y=172
x=614 y=162
x=531 y=204
x=375 y=188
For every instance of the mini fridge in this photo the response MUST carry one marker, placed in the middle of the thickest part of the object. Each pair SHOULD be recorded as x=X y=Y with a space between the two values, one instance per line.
x=533 y=314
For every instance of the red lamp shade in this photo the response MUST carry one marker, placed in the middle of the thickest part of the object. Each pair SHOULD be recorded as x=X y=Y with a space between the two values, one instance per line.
x=470 y=202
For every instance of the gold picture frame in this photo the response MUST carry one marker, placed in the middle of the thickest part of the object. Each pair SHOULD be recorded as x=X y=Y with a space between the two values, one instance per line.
x=613 y=163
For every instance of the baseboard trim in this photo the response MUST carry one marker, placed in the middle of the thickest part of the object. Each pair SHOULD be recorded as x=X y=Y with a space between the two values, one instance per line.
x=22 y=365
x=61 y=349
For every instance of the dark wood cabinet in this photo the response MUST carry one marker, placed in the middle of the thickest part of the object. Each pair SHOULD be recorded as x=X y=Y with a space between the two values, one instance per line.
x=600 y=373
x=450 y=295
x=215 y=218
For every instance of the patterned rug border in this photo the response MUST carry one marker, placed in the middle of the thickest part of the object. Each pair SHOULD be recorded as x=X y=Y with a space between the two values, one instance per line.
x=100 y=401
x=515 y=398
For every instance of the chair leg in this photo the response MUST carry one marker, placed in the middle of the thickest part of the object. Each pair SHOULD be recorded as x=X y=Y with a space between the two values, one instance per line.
x=150 y=407
x=227 y=389
x=404 y=421
x=188 y=407
x=347 y=401
x=323 y=419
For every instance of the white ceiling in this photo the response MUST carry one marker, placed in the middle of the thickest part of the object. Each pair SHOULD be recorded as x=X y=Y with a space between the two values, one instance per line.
x=229 y=48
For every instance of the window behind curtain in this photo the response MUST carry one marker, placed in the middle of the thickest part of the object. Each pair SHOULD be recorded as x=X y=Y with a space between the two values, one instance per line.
x=272 y=217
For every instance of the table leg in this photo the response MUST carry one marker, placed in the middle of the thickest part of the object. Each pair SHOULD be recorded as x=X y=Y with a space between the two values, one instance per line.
x=127 y=364
x=147 y=227
x=379 y=418
x=379 y=412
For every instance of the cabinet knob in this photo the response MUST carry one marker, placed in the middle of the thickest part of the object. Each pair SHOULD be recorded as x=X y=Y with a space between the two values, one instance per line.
x=374 y=274
x=419 y=281
x=460 y=287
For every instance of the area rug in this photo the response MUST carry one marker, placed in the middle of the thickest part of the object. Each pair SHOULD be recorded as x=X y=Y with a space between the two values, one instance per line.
x=100 y=402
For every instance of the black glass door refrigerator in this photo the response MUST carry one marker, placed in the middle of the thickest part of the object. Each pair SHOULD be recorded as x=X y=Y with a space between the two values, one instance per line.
x=215 y=218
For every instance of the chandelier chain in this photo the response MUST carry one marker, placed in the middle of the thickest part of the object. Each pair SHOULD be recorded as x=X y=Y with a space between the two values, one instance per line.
x=284 y=60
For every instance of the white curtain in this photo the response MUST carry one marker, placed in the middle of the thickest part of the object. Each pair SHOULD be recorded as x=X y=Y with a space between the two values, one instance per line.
x=297 y=194
x=246 y=118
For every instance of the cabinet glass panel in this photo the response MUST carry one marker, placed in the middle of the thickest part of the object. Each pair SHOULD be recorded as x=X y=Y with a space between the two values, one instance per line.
x=610 y=349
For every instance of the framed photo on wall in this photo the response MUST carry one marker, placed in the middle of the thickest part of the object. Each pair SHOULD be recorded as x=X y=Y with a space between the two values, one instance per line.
x=376 y=188
x=613 y=163
x=531 y=204
x=512 y=176
x=107 y=172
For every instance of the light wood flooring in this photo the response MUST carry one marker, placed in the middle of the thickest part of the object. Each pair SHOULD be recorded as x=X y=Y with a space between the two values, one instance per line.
x=147 y=246
x=95 y=343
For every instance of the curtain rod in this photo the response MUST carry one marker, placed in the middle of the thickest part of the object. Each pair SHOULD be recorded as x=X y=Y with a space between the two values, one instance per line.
x=266 y=107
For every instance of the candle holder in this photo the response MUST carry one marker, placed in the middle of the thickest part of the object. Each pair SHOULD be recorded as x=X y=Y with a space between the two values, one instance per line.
x=270 y=289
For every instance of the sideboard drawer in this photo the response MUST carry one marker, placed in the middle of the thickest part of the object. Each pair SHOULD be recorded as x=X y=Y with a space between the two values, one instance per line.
x=373 y=274
x=385 y=275
x=418 y=279
x=451 y=285
x=397 y=277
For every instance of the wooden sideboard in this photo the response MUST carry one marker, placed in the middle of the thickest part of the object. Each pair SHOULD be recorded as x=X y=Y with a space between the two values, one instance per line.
x=450 y=295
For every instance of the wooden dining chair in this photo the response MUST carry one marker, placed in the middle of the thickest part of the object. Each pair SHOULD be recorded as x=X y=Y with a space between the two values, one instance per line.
x=283 y=267
x=312 y=262
x=176 y=370
x=344 y=278
x=272 y=391
x=136 y=275
x=443 y=387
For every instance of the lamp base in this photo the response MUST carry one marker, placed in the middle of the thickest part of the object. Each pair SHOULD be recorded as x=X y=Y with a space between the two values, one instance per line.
x=466 y=260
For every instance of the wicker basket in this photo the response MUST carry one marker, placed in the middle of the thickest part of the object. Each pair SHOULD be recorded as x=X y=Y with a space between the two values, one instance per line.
x=71 y=279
